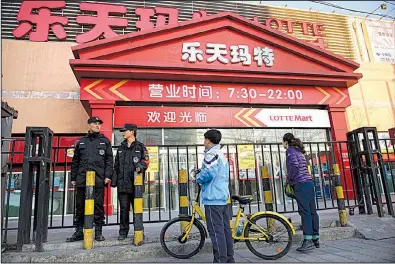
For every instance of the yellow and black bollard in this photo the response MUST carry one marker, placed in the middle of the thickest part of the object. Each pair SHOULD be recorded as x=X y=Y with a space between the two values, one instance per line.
x=267 y=194
x=138 y=209
x=183 y=191
x=89 y=210
x=341 y=206
x=183 y=195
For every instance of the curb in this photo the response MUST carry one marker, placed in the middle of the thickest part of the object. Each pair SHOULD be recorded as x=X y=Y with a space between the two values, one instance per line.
x=148 y=240
x=129 y=252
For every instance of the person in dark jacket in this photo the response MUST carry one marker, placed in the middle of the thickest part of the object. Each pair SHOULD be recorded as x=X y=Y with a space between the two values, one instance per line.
x=131 y=158
x=301 y=181
x=93 y=152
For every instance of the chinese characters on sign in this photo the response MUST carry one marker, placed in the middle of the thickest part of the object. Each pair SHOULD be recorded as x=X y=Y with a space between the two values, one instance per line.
x=36 y=19
x=43 y=20
x=155 y=116
x=153 y=159
x=239 y=54
x=146 y=14
x=172 y=117
x=246 y=156
x=382 y=40
x=102 y=22
x=209 y=92
x=184 y=91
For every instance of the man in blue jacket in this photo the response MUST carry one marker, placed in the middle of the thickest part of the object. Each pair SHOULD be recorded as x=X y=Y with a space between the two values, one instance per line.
x=214 y=178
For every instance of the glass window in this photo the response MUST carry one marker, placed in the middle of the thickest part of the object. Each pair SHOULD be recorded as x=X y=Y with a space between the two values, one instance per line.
x=234 y=136
x=184 y=136
x=311 y=135
x=145 y=136
x=270 y=135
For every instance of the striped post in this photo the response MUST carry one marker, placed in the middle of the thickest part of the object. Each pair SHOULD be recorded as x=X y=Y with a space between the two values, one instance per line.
x=183 y=195
x=89 y=210
x=138 y=209
x=341 y=206
x=183 y=191
x=267 y=194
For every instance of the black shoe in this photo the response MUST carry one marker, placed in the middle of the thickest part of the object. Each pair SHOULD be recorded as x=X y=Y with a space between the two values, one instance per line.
x=122 y=237
x=99 y=234
x=77 y=236
x=99 y=237
x=306 y=245
x=316 y=243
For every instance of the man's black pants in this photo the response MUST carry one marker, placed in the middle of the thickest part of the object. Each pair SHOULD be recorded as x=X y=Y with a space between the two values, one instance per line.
x=218 y=217
x=98 y=195
x=125 y=200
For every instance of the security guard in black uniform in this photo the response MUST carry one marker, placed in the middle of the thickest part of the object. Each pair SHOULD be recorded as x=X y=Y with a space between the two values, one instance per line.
x=132 y=156
x=92 y=153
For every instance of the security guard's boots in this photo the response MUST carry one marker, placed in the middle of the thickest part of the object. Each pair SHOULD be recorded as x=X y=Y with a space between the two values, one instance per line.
x=122 y=237
x=99 y=234
x=77 y=236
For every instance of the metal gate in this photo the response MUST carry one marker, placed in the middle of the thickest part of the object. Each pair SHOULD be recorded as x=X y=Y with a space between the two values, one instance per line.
x=161 y=197
x=373 y=176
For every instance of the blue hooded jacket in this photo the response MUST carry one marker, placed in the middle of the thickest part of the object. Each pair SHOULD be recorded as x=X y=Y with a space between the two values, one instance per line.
x=297 y=166
x=214 y=177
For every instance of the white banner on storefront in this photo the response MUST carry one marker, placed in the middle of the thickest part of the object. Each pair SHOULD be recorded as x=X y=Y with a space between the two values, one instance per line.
x=382 y=39
x=272 y=117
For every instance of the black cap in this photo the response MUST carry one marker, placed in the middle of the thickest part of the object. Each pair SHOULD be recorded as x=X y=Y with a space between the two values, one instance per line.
x=130 y=127
x=94 y=119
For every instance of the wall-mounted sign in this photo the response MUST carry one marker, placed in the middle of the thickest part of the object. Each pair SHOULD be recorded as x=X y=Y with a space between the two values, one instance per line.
x=194 y=92
x=153 y=153
x=246 y=156
x=220 y=117
x=191 y=52
x=38 y=18
x=382 y=39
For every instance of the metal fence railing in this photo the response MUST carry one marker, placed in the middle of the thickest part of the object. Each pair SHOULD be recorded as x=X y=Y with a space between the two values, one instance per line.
x=160 y=198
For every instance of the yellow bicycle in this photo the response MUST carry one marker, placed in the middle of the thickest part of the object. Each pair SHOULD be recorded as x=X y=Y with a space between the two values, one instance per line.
x=267 y=234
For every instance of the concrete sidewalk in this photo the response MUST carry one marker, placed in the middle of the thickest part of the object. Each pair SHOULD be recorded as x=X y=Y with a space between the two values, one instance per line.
x=339 y=251
x=56 y=250
x=57 y=237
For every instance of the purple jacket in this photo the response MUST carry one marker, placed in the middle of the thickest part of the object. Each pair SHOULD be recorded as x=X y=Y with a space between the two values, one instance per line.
x=296 y=166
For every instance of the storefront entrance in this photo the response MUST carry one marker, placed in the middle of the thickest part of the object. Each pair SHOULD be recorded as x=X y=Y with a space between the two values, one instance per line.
x=221 y=71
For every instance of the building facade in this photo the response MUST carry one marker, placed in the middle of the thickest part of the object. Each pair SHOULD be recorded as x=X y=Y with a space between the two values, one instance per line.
x=178 y=68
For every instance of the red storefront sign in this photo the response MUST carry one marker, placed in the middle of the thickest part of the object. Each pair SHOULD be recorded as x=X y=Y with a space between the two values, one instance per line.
x=102 y=23
x=219 y=117
x=198 y=92
x=109 y=16
x=43 y=20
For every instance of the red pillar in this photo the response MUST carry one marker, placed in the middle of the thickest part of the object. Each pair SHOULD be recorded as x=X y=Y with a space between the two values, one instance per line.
x=338 y=119
x=105 y=111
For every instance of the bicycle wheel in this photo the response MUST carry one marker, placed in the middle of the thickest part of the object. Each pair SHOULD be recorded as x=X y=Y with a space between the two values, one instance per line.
x=279 y=234
x=173 y=232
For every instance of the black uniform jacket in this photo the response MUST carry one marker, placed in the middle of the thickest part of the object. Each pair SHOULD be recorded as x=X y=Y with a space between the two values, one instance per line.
x=127 y=160
x=92 y=153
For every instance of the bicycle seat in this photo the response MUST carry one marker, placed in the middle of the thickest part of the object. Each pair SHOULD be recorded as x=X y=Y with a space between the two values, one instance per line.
x=242 y=199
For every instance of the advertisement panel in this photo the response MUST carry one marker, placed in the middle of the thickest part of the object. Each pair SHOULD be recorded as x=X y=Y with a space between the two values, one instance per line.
x=382 y=39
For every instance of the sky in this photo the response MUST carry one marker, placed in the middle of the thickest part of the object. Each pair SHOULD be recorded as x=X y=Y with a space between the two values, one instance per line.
x=366 y=6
